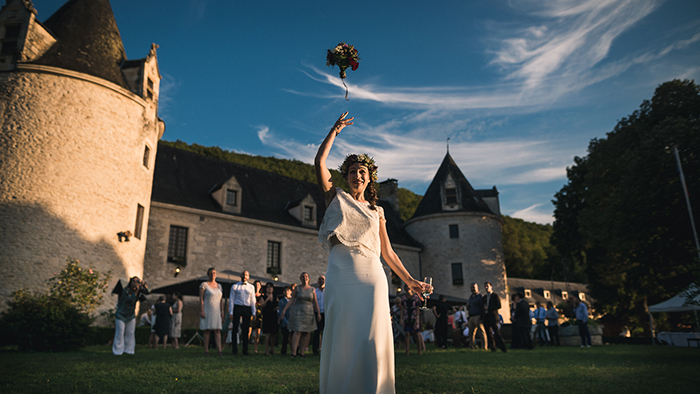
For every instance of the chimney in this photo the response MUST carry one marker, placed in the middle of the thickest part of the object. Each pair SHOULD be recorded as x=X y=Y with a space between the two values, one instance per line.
x=389 y=192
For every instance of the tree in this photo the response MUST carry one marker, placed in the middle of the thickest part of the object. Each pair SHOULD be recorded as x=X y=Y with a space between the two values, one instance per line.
x=527 y=251
x=622 y=214
x=58 y=319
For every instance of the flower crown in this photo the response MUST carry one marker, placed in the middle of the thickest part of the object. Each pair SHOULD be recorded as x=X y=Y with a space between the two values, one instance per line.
x=364 y=160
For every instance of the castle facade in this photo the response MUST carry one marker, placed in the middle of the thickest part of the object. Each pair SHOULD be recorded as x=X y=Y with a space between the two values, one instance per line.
x=82 y=176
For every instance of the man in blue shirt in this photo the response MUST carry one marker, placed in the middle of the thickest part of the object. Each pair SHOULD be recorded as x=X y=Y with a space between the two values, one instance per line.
x=581 y=312
x=541 y=330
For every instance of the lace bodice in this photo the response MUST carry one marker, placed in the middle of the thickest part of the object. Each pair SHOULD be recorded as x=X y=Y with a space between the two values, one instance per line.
x=353 y=222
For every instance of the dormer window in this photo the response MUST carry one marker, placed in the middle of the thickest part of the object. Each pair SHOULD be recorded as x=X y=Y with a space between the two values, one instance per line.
x=9 y=41
x=528 y=293
x=564 y=295
x=582 y=296
x=228 y=196
x=231 y=197
x=547 y=294
x=303 y=210
x=450 y=196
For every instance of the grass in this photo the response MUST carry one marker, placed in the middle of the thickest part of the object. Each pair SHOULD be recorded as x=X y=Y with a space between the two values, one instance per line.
x=606 y=369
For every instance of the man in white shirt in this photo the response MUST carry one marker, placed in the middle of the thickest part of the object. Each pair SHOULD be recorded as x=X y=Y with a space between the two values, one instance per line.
x=242 y=305
x=318 y=334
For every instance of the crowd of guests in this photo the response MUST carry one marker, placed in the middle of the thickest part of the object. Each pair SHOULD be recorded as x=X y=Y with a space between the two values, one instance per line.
x=295 y=319
x=477 y=324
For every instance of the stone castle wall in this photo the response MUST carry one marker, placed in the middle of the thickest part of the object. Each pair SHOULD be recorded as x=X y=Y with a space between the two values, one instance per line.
x=71 y=176
x=479 y=248
x=228 y=242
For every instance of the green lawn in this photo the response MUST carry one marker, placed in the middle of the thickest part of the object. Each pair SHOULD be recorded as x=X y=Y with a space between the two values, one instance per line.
x=607 y=369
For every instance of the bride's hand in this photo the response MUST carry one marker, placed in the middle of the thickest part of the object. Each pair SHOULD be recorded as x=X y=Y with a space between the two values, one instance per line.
x=341 y=123
x=419 y=288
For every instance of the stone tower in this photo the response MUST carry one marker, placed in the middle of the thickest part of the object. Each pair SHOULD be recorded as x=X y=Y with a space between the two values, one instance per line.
x=79 y=130
x=460 y=230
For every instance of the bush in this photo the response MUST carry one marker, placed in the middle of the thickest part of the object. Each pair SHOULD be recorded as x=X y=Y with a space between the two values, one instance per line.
x=57 y=320
x=44 y=323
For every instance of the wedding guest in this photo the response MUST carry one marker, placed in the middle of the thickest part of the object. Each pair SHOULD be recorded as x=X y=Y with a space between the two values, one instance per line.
x=440 y=310
x=411 y=319
x=475 y=310
x=304 y=317
x=270 y=327
x=318 y=334
x=491 y=305
x=241 y=310
x=581 y=313
x=283 y=318
x=552 y=324
x=163 y=313
x=257 y=320
x=146 y=318
x=125 y=316
x=540 y=315
x=211 y=310
x=176 y=321
x=522 y=323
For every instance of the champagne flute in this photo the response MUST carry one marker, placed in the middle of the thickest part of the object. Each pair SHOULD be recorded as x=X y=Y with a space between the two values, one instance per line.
x=427 y=292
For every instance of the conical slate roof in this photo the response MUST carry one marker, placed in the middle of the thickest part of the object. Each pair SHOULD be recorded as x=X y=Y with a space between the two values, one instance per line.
x=88 y=40
x=431 y=203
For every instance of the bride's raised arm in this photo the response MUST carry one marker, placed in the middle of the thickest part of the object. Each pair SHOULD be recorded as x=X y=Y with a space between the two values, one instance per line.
x=323 y=176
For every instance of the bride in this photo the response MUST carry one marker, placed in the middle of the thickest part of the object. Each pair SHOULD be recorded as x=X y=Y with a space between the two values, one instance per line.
x=357 y=353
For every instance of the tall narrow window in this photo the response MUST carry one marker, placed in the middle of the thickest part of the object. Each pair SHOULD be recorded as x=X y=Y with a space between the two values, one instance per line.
x=139 y=221
x=450 y=196
x=149 y=88
x=146 y=156
x=177 y=246
x=454 y=231
x=273 y=257
x=457 y=278
x=232 y=197
x=9 y=43
x=308 y=212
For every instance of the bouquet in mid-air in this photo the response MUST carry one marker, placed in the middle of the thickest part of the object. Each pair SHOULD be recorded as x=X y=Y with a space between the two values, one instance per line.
x=344 y=56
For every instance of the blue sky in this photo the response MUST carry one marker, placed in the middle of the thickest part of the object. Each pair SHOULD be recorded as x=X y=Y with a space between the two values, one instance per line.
x=519 y=87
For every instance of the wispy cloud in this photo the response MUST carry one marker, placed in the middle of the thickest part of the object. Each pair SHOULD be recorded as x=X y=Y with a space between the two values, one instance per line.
x=559 y=50
x=571 y=38
x=166 y=97
x=414 y=160
x=535 y=213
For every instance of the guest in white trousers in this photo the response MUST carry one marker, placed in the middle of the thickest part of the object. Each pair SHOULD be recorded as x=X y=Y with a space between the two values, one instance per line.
x=124 y=334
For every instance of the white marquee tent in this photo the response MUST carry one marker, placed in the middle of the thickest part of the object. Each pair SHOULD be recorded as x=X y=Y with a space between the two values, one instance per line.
x=682 y=302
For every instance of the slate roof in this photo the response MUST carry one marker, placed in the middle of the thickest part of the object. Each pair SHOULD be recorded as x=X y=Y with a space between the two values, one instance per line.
x=555 y=287
x=432 y=200
x=186 y=179
x=88 y=40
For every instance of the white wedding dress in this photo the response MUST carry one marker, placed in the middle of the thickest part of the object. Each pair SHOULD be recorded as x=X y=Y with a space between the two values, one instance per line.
x=357 y=352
